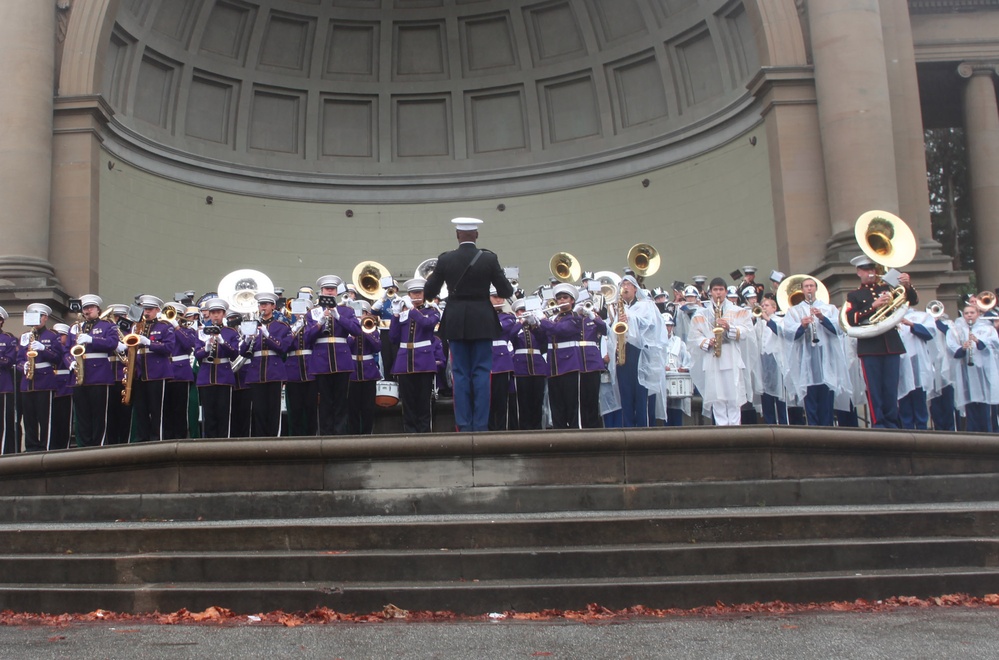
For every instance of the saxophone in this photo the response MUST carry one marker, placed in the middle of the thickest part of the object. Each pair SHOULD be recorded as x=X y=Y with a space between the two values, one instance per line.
x=31 y=355
x=128 y=380
x=79 y=350
x=718 y=330
x=621 y=330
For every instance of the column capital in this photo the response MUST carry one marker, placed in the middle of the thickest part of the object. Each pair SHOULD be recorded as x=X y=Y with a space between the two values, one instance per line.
x=971 y=68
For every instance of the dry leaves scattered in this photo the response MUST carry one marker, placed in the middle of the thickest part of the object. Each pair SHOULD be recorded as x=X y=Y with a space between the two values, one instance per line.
x=593 y=612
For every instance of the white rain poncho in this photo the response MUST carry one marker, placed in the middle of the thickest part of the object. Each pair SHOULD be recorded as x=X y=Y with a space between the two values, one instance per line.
x=972 y=382
x=857 y=392
x=646 y=331
x=726 y=377
x=943 y=365
x=773 y=361
x=816 y=356
x=916 y=365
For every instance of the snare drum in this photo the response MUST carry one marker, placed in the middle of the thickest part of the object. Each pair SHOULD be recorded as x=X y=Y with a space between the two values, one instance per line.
x=679 y=386
x=386 y=393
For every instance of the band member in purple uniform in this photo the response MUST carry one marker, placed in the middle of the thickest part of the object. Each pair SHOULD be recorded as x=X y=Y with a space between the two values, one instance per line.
x=499 y=385
x=564 y=358
x=62 y=402
x=8 y=361
x=300 y=394
x=529 y=367
x=242 y=398
x=154 y=368
x=365 y=376
x=38 y=355
x=177 y=390
x=413 y=330
x=218 y=346
x=590 y=368
x=330 y=363
x=265 y=372
x=99 y=340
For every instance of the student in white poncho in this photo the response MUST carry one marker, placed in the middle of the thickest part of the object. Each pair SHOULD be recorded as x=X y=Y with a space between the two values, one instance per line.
x=971 y=342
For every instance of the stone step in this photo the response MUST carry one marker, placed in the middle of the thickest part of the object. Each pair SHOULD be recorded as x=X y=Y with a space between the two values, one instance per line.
x=469 y=597
x=501 y=499
x=563 y=529
x=653 y=561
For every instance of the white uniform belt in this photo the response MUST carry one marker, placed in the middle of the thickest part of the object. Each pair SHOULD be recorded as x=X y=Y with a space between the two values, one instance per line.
x=60 y=372
x=301 y=352
x=331 y=340
x=499 y=342
x=565 y=344
x=419 y=344
x=181 y=358
x=263 y=353
x=42 y=365
x=220 y=361
x=87 y=356
x=587 y=343
x=527 y=351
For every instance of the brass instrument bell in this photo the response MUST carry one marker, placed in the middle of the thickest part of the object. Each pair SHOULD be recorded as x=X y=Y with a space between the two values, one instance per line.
x=935 y=309
x=885 y=239
x=240 y=287
x=367 y=278
x=565 y=267
x=985 y=300
x=644 y=259
x=789 y=292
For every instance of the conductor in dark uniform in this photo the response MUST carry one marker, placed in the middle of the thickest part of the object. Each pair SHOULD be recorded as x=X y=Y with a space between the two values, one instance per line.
x=470 y=323
x=879 y=355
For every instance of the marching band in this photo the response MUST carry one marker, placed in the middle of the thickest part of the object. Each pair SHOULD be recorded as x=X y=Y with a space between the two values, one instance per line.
x=585 y=350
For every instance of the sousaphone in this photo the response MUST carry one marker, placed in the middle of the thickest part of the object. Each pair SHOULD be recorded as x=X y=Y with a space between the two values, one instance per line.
x=565 y=267
x=644 y=259
x=240 y=287
x=367 y=278
x=789 y=292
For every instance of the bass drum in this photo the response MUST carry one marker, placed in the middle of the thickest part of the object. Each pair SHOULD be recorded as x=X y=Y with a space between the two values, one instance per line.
x=386 y=393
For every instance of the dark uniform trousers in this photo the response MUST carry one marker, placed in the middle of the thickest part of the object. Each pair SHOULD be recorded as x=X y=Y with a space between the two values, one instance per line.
x=216 y=407
x=266 y=414
x=563 y=398
x=91 y=403
x=37 y=409
x=8 y=431
x=177 y=396
x=361 y=406
x=242 y=413
x=530 y=401
x=589 y=400
x=300 y=397
x=333 y=402
x=499 y=398
x=119 y=425
x=416 y=396
x=148 y=401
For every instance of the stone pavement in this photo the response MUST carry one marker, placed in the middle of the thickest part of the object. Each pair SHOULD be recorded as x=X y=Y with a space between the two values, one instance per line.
x=905 y=633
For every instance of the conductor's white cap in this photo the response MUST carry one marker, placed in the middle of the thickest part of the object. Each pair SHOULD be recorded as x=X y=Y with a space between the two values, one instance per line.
x=466 y=224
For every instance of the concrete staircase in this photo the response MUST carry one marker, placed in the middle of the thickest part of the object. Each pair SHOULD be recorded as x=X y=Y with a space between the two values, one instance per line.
x=579 y=518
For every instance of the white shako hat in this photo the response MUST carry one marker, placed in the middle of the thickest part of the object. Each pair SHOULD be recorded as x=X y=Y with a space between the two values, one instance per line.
x=3 y=314
x=266 y=297
x=750 y=292
x=667 y=318
x=565 y=287
x=466 y=224
x=732 y=292
x=217 y=303
x=60 y=329
x=691 y=291
x=41 y=308
x=415 y=284
x=119 y=309
x=519 y=304
x=150 y=302
x=91 y=299
x=329 y=281
x=192 y=310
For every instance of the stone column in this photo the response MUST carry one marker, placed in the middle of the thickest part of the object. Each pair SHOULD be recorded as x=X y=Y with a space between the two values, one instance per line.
x=855 y=120
x=981 y=125
x=27 y=50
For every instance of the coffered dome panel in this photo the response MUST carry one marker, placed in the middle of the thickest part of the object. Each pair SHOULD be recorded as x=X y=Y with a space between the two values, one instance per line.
x=436 y=99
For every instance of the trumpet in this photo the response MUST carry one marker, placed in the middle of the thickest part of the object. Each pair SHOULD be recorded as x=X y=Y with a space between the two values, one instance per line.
x=77 y=352
x=757 y=311
x=935 y=309
x=369 y=324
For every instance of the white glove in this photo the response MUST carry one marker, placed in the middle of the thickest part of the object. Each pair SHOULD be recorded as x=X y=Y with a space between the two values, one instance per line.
x=84 y=339
x=335 y=313
x=408 y=302
x=121 y=347
x=25 y=339
x=264 y=331
x=72 y=365
x=316 y=313
x=25 y=368
x=173 y=322
x=37 y=346
x=144 y=340
x=404 y=317
x=296 y=326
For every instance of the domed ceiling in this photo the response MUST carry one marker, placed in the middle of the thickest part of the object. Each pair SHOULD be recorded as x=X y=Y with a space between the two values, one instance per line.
x=423 y=99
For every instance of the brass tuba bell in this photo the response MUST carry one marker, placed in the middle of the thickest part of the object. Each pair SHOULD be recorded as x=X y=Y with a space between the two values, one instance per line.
x=885 y=238
x=367 y=277
x=565 y=267
x=644 y=259
x=789 y=292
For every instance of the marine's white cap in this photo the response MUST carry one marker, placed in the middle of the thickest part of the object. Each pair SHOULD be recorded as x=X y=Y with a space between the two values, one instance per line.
x=466 y=224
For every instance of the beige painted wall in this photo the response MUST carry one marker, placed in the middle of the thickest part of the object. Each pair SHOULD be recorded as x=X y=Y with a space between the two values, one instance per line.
x=708 y=215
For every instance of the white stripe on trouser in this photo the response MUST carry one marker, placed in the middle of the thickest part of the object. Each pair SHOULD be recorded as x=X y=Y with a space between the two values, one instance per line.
x=228 y=428
x=48 y=438
x=162 y=405
x=726 y=413
x=107 y=395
